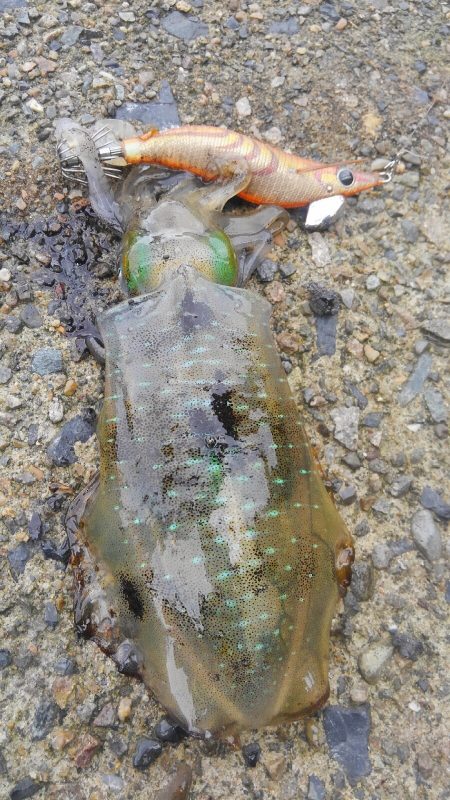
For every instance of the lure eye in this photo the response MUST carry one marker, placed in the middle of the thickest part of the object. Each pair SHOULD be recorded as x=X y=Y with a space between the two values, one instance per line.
x=345 y=176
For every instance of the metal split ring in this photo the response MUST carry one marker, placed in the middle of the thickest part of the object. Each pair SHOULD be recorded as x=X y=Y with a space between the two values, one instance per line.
x=387 y=173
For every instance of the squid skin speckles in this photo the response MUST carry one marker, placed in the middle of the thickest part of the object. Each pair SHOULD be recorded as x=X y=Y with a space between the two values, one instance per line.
x=208 y=531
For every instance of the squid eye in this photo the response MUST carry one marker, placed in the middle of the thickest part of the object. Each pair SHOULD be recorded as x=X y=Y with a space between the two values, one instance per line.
x=345 y=176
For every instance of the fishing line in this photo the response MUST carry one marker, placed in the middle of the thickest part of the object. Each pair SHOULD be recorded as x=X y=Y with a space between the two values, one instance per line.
x=387 y=173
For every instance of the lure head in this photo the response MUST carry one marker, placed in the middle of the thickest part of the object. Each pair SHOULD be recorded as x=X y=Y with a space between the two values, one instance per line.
x=343 y=180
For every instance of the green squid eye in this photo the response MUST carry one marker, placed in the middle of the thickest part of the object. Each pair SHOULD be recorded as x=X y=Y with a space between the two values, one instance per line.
x=345 y=176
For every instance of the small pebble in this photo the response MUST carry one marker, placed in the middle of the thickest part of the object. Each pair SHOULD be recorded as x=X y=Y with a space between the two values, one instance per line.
x=410 y=231
x=275 y=292
x=373 y=660
x=184 y=27
x=243 y=107
x=426 y=535
x=90 y=746
x=363 y=580
x=407 y=645
x=18 y=558
x=275 y=764
x=113 y=782
x=286 y=269
x=5 y=658
x=78 y=429
x=381 y=556
x=348 y=297
x=146 y=752
x=47 y=715
x=415 y=382
x=168 y=731
x=433 y=501
x=372 y=283
x=370 y=353
x=178 y=787
x=124 y=709
x=320 y=252
x=401 y=485
x=420 y=346
x=346 y=422
x=127 y=16
x=5 y=375
x=46 y=361
x=316 y=788
x=437 y=330
x=435 y=405
x=251 y=753
x=26 y=787
x=267 y=270
x=56 y=410
x=70 y=387
x=352 y=461
x=359 y=694
x=65 y=666
x=30 y=316
x=51 y=615
x=106 y=717
x=347 y=495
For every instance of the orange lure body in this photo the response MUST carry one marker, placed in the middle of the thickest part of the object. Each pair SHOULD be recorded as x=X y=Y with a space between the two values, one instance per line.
x=275 y=177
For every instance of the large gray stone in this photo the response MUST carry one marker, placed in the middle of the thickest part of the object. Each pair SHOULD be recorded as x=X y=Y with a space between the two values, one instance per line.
x=416 y=380
x=159 y=113
x=347 y=733
x=184 y=27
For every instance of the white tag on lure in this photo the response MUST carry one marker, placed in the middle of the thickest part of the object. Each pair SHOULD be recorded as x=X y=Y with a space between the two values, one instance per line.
x=322 y=213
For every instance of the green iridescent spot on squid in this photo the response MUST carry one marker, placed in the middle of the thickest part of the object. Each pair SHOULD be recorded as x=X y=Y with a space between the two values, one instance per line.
x=223 y=576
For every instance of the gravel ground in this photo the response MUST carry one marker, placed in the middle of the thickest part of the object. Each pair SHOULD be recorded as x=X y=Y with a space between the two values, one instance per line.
x=329 y=80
